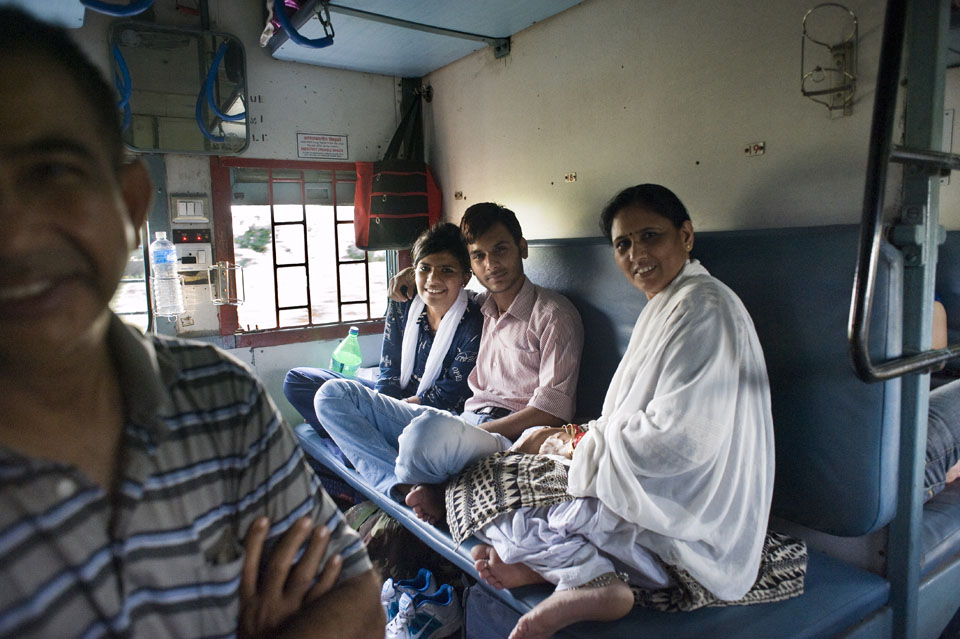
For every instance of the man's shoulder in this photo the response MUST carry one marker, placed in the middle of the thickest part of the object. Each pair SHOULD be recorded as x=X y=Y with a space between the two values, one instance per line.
x=478 y=297
x=551 y=302
x=198 y=359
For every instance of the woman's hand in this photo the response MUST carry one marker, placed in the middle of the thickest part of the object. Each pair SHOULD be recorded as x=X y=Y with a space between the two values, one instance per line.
x=403 y=285
x=413 y=399
x=558 y=444
x=285 y=587
x=531 y=443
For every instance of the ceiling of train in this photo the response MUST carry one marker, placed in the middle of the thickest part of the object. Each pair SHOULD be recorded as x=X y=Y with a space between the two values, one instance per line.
x=362 y=44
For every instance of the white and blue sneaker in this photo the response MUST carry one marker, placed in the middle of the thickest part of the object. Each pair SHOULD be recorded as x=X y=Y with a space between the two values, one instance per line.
x=423 y=584
x=427 y=616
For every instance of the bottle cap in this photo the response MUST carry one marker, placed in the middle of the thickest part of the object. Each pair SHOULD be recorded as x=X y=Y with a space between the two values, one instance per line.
x=160 y=235
x=354 y=330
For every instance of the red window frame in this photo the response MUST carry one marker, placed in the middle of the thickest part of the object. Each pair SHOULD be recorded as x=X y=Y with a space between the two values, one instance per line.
x=223 y=249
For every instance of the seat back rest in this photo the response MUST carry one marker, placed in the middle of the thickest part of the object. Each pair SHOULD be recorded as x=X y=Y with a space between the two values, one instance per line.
x=836 y=436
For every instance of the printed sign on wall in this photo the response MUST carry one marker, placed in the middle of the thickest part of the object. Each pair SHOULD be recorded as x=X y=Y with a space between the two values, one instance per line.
x=322 y=146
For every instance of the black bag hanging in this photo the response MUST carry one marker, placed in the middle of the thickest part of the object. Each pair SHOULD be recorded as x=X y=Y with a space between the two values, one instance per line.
x=397 y=198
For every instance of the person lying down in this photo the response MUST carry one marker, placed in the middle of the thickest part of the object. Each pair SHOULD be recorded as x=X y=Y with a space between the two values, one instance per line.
x=676 y=473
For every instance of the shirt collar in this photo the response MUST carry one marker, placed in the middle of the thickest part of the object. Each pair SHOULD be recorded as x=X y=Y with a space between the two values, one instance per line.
x=521 y=307
x=145 y=376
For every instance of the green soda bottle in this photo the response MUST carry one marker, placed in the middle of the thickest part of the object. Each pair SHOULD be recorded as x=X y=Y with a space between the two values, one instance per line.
x=346 y=357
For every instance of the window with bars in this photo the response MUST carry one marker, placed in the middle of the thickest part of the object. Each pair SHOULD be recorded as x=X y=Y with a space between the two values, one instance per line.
x=290 y=226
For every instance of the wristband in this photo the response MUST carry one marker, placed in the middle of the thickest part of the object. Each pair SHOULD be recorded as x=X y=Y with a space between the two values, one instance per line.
x=578 y=437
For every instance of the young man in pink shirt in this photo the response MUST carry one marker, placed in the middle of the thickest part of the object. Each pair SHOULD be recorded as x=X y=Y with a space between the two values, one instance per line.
x=526 y=376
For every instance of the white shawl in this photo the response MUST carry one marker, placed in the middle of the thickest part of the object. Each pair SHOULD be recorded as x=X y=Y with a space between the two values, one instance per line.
x=684 y=445
x=441 y=341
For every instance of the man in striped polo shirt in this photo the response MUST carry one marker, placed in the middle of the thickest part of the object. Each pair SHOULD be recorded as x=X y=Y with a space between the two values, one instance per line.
x=148 y=486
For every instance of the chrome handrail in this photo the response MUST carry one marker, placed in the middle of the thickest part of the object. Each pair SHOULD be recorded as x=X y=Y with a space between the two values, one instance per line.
x=871 y=225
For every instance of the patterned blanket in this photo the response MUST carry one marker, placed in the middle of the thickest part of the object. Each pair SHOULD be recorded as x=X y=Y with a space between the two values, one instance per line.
x=501 y=483
x=507 y=481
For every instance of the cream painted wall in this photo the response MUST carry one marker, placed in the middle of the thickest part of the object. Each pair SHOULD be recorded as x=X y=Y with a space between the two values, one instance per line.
x=271 y=364
x=630 y=91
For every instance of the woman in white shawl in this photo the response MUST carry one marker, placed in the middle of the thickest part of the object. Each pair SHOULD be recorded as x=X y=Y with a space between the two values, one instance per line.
x=679 y=467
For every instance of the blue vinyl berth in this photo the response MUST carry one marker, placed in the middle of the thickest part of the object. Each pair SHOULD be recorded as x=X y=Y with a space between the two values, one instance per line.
x=836 y=436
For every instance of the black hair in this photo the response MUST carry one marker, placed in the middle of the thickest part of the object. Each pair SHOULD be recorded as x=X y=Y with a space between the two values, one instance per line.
x=480 y=218
x=22 y=33
x=653 y=197
x=442 y=236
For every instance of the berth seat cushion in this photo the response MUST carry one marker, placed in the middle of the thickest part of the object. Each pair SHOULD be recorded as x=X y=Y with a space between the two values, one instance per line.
x=836 y=595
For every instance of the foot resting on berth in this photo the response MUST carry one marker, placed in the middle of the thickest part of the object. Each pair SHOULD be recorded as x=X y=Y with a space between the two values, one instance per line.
x=607 y=602
x=565 y=607
x=427 y=501
x=500 y=575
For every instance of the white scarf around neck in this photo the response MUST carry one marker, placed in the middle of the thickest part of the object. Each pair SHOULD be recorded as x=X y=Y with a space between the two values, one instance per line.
x=441 y=341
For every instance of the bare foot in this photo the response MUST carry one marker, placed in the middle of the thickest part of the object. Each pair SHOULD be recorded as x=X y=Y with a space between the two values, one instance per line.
x=501 y=575
x=953 y=473
x=565 y=607
x=427 y=502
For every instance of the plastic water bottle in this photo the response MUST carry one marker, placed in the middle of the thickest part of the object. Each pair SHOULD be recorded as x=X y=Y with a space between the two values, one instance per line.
x=167 y=289
x=346 y=356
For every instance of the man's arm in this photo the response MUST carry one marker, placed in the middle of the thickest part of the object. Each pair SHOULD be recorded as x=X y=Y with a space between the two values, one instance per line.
x=287 y=600
x=403 y=285
x=513 y=425
x=350 y=611
x=286 y=497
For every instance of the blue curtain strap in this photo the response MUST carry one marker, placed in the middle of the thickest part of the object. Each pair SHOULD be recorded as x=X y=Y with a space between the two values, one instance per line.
x=124 y=86
x=210 y=81
x=294 y=35
x=200 y=123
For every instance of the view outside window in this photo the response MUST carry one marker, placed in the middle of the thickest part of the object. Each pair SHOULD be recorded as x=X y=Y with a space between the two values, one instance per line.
x=293 y=235
x=130 y=300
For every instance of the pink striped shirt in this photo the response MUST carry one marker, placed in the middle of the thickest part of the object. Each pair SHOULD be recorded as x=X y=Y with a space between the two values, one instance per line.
x=530 y=355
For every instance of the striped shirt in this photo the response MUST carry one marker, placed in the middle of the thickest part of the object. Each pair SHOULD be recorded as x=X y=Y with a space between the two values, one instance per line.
x=529 y=355
x=204 y=453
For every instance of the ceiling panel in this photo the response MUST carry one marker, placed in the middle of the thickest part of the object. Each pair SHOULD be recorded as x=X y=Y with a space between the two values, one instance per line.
x=68 y=13
x=364 y=45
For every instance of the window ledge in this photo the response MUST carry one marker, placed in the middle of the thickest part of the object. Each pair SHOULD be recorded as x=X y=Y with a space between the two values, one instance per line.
x=277 y=337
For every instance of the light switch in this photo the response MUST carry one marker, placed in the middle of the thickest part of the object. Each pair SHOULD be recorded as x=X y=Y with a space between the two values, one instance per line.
x=189 y=208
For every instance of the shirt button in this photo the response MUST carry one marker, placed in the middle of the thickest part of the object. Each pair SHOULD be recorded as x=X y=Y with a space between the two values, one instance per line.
x=66 y=488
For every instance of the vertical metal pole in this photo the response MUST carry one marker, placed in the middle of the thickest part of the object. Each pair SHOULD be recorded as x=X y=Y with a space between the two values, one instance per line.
x=273 y=246
x=306 y=243
x=927 y=23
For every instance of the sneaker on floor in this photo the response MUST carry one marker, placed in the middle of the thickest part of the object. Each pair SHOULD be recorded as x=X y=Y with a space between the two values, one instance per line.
x=427 y=616
x=423 y=584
